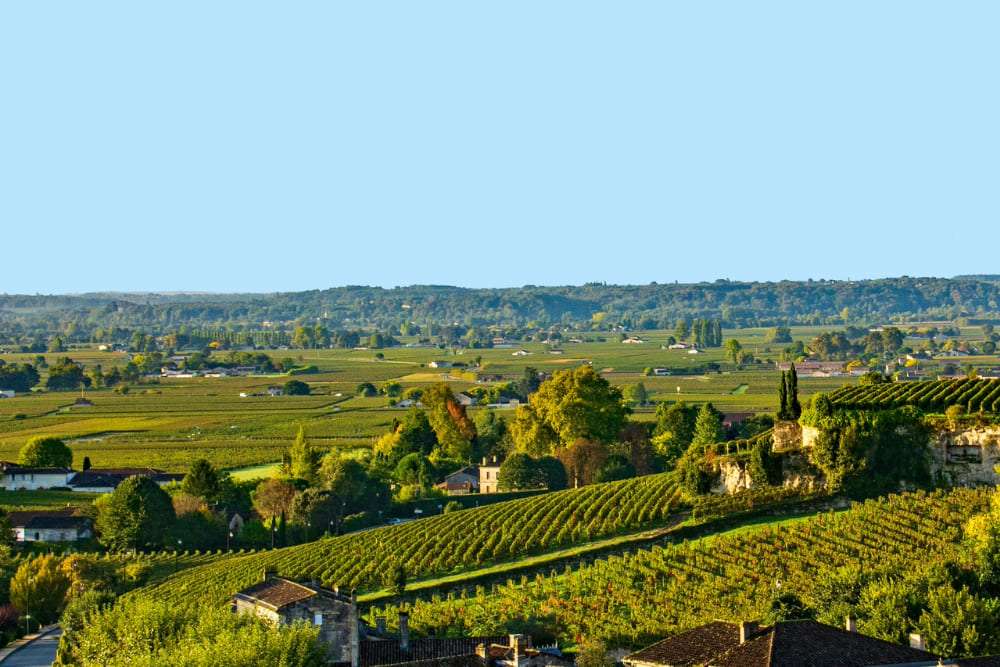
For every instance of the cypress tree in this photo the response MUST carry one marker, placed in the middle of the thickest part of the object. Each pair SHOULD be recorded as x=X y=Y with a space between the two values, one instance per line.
x=718 y=333
x=794 y=409
x=783 y=397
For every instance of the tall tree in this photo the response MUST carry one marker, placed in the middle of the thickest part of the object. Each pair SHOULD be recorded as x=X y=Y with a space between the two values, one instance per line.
x=708 y=428
x=794 y=407
x=39 y=588
x=303 y=458
x=574 y=404
x=137 y=515
x=202 y=480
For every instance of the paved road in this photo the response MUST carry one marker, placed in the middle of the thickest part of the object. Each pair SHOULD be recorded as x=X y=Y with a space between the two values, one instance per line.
x=39 y=653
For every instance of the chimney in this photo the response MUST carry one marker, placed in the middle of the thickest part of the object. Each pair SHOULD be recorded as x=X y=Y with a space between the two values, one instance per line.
x=852 y=624
x=268 y=572
x=519 y=644
x=481 y=648
x=918 y=642
x=484 y=460
x=404 y=631
x=314 y=583
x=748 y=630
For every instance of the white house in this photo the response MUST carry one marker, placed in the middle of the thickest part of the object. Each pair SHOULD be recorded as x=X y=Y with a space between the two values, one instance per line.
x=57 y=526
x=440 y=364
x=6 y=393
x=16 y=478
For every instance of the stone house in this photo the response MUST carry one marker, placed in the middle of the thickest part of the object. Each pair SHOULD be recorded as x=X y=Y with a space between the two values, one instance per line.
x=284 y=602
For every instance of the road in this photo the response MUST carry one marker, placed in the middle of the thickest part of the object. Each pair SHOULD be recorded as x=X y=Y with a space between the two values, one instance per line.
x=39 y=653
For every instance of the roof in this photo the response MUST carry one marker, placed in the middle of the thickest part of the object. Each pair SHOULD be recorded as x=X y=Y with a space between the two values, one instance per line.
x=374 y=653
x=785 y=644
x=277 y=593
x=22 y=519
x=693 y=647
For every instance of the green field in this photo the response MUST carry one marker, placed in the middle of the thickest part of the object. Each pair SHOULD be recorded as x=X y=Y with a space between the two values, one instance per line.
x=166 y=423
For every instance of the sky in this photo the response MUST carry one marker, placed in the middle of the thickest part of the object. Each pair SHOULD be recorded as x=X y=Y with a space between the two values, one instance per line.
x=265 y=147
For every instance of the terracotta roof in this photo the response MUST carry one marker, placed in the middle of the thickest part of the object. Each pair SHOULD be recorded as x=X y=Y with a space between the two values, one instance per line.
x=374 y=653
x=784 y=644
x=277 y=593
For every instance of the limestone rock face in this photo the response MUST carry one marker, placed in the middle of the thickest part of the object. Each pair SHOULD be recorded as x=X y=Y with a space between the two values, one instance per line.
x=787 y=435
x=732 y=478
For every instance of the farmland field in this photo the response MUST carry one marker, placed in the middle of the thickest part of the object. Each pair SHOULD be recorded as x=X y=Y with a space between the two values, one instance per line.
x=166 y=423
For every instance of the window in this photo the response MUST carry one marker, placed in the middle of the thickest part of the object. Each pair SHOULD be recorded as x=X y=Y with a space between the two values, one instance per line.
x=317 y=619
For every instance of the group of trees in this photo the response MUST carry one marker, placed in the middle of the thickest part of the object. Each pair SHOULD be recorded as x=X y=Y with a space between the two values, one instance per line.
x=701 y=332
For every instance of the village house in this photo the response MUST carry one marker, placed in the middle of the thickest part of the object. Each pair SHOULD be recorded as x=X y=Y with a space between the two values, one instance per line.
x=18 y=478
x=285 y=602
x=461 y=481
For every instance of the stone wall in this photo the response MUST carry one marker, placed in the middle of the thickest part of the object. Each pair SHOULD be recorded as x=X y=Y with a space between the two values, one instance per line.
x=787 y=435
x=967 y=456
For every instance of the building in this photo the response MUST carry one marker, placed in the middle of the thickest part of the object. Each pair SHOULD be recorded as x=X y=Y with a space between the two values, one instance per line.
x=55 y=526
x=461 y=481
x=106 y=480
x=488 y=477
x=784 y=644
x=17 y=478
x=284 y=602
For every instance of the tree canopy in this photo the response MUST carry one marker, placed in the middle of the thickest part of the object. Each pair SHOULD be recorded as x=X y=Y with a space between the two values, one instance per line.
x=574 y=404
x=137 y=515
x=45 y=452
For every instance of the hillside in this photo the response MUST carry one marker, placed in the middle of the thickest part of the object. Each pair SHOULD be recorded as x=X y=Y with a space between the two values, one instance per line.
x=636 y=598
x=451 y=543
x=638 y=307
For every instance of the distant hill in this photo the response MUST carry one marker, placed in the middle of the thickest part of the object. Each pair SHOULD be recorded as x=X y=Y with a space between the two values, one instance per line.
x=438 y=308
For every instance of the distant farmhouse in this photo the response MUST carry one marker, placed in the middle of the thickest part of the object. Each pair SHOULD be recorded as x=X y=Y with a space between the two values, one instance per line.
x=19 y=478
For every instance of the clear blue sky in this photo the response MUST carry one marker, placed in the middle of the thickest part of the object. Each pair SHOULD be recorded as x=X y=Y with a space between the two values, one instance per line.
x=223 y=146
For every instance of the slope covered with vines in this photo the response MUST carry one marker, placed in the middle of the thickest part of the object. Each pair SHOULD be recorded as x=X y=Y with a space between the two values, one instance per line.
x=636 y=598
x=974 y=395
x=454 y=542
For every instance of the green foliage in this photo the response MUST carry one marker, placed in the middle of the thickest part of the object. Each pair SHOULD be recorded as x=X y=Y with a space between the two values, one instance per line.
x=572 y=405
x=39 y=588
x=708 y=427
x=295 y=388
x=137 y=515
x=635 y=395
x=763 y=468
x=202 y=480
x=155 y=634
x=45 y=452
x=366 y=389
x=303 y=459
x=959 y=623
x=874 y=452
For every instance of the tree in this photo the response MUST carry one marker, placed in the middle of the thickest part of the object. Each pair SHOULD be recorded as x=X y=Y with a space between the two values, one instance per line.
x=273 y=497
x=295 y=388
x=39 y=588
x=708 y=428
x=517 y=473
x=415 y=470
x=733 y=349
x=583 y=460
x=366 y=389
x=572 y=405
x=452 y=427
x=137 y=515
x=635 y=394
x=45 y=452
x=303 y=460
x=391 y=388
x=682 y=330
x=794 y=408
x=202 y=480
x=66 y=375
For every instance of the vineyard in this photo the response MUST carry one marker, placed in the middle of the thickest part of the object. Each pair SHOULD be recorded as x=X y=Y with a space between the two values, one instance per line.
x=450 y=543
x=636 y=598
x=972 y=394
